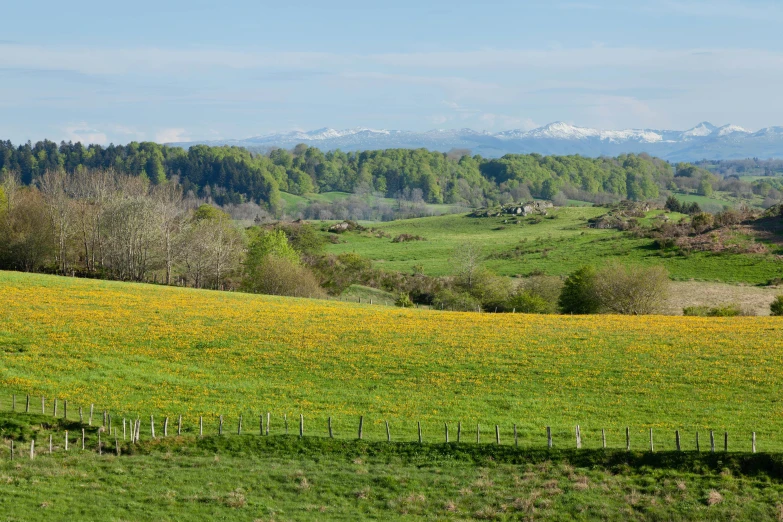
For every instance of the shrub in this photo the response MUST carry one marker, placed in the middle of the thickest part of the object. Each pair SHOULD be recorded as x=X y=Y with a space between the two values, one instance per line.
x=578 y=295
x=696 y=311
x=528 y=303
x=776 y=308
x=632 y=290
x=403 y=300
x=724 y=310
x=282 y=276
x=448 y=299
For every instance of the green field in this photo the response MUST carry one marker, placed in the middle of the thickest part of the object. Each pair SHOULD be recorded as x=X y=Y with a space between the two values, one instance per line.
x=557 y=245
x=254 y=477
x=138 y=350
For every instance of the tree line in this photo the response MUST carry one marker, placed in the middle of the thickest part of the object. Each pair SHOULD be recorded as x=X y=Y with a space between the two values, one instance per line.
x=233 y=175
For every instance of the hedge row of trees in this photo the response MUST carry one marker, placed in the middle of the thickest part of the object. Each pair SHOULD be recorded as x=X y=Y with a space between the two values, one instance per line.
x=232 y=175
x=107 y=225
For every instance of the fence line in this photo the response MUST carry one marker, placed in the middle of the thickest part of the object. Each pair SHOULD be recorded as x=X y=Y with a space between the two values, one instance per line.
x=547 y=436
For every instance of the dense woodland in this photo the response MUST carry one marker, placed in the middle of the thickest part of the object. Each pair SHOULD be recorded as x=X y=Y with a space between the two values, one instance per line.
x=231 y=175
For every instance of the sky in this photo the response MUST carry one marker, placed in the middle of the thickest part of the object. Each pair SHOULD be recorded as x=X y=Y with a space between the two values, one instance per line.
x=101 y=72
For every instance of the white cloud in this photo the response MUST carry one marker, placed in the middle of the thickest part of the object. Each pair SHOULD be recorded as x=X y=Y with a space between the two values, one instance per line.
x=84 y=133
x=171 y=135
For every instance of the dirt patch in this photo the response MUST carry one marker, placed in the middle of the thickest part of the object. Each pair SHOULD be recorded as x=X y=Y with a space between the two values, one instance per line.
x=696 y=293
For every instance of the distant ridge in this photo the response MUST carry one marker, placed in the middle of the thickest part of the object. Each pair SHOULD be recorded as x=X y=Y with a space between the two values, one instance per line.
x=704 y=141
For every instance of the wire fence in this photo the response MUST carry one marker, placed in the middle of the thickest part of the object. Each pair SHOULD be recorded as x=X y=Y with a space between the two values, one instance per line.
x=93 y=428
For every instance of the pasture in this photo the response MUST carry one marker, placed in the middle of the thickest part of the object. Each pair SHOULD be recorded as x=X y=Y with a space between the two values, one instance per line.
x=556 y=245
x=142 y=349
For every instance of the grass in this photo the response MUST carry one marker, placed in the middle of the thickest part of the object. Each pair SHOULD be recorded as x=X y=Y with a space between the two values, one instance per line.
x=557 y=244
x=250 y=477
x=142 y=349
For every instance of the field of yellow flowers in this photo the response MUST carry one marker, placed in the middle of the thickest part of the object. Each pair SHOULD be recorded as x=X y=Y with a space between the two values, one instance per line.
x=142 y=349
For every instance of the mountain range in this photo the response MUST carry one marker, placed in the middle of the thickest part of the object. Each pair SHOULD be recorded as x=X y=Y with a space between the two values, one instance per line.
x=704 y=141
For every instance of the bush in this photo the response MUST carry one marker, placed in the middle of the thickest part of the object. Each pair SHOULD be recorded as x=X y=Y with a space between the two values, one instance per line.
x=403 y=300
x=454 y=300
x=776 y=308
x=547 y=288
x=725 y=310
x=528 y=303
x=696 y=311
x=282 y=276
x=578 y=295
x=632 y=290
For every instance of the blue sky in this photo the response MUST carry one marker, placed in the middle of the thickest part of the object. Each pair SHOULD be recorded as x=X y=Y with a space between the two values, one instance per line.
x=169 y=71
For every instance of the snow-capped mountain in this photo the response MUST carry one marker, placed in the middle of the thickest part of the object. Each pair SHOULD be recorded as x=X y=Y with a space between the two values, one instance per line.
x=704 y=141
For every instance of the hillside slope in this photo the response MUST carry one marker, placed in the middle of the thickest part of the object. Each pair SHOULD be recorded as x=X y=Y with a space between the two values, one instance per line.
x=140 y=349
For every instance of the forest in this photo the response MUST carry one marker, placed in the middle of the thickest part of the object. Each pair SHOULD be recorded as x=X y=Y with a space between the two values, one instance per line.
x=232 y=175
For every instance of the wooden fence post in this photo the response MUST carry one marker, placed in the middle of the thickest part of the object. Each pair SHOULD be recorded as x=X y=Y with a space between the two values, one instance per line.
x=92 y=407
x=578 y=438
x=285 y=420
x=116 y=446
x=100 y=446
x=13 y=402
x=301 y=425
x=32 y=449
x=459 y=431
x=50 y=444
x=179 y=426
x=712 y=442
x=652 y=446
x=627 y=439
x=152 y=426
x=81 y=415
x=549 y=437
x=388 y=433
x=105 y=421
x=201 y=426
x=497 y=434
x=43 y=405
x=166 y=427
x=27 y=406
x=66 y=440
x=268 y=419
x=478 y=433
x=698 y=449
x=12 y=449
x=603 y=438
x=516 y=441
x=446 y=428
x=753 y=443
x=124 y=433
x=725 y=441
x=220 y=427
x=54 y=412
x=361 y=425
x=329 y=422
x=239 y=427
x=82 y=439
x=108 y=418
x=677 y=439
x=418 y=423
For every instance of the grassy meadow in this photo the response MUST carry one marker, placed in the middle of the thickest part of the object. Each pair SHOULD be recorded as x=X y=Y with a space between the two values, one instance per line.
x=142 y=349
x=556 y=244
x=250 y=477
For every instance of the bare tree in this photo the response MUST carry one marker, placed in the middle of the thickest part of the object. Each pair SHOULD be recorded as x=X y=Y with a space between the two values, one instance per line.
x=170 y=216
x=632 y=290
x=91 y=191
x=59 y=207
